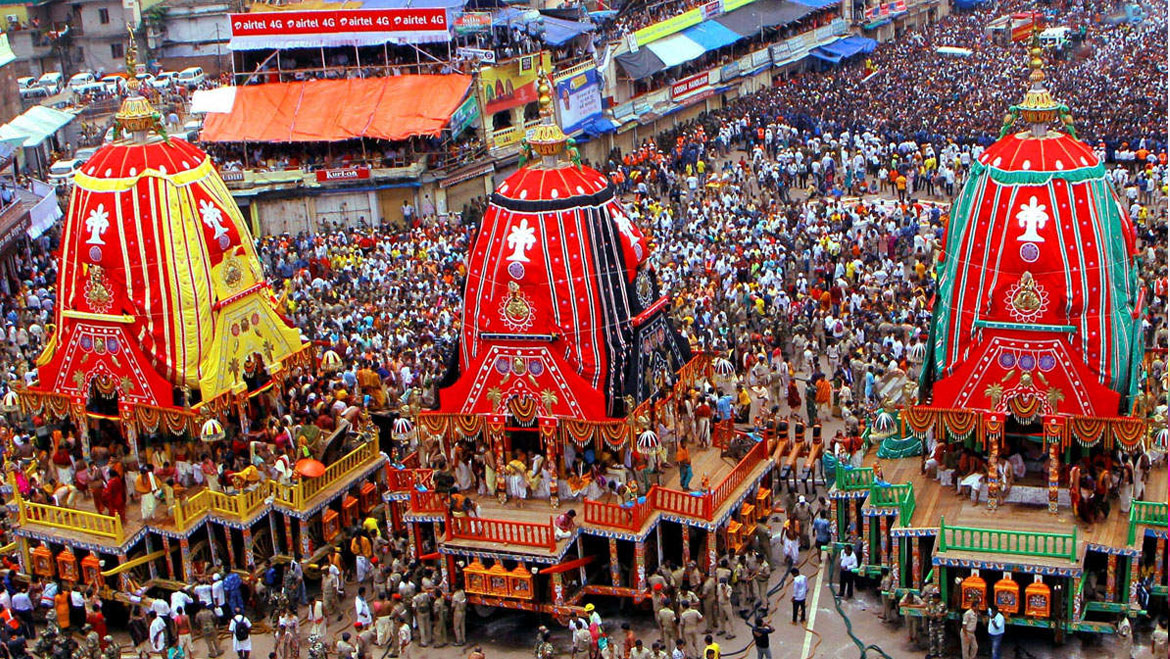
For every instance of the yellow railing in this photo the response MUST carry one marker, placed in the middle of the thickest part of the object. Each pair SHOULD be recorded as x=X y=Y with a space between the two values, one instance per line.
x=240 y=505
x=188 y=510
x=105 y=526
x=300 y=493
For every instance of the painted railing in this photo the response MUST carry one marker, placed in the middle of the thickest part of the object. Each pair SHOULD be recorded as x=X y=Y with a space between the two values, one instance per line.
x=303 y=491
x=722 y=433
x=859 y=478
x=997 y=541
x=730 y=482
x=104 y=526
x=242 y=504
x=426 y=503
x=628 y=518
x=487 y=531
x=188 y=510
x=894 y=496
x=404 y=480
x=1149 y=513
x=667 y=500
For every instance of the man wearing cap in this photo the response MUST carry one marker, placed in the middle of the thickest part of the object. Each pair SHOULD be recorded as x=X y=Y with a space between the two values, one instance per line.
x=937 y=615
x=422 y=615
x=667 y=622
x=688 y=623
x=205 y=618
x=439 y=609
x=803 y=512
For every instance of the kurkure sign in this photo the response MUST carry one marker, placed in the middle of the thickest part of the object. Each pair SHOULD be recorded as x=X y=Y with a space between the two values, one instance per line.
x=336 y=22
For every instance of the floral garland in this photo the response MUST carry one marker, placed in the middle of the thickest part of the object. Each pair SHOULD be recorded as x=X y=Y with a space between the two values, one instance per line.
x=524 y=409
x=1087 y=430
x=434 y=425
x=467 y=425
x=1026 y=408
x=1130 y=433
x=959 y=424
x=919 y=419
x=578 y=432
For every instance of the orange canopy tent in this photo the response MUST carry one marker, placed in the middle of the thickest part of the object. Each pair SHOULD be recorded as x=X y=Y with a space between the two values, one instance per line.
x=392 y=108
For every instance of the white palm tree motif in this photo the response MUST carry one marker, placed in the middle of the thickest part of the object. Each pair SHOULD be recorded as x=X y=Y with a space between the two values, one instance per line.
x=1032 y=217
x=96 y=224
x=521 y=238
x=213 y=218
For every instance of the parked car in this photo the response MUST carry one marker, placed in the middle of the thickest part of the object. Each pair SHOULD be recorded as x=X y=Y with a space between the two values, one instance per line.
x=27 y=82
x=191 y=76
x=61 y=172
x=83 y=155
x=163 y=80
x=51 y=81
x=145 y=79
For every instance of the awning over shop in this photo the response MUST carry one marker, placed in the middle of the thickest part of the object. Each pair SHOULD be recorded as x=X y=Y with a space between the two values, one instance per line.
x=843 y=48
x=391 y=108
x=559 y=31
x=710 y=35
x=819 y=4
x=676 y=49
x=641 y=64
x=763 y=13
x=35 y=125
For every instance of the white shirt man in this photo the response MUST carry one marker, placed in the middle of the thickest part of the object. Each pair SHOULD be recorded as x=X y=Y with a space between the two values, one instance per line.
x=158 y=634
x=180 y=600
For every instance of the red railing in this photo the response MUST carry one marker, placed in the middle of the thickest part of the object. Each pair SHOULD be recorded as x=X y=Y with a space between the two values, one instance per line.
x=680 y=503
x=403 y=480
x=722 y=434
x=504 y=531
x=411 y=461
x=426 y=502
x=738 y=475
x=629 y=518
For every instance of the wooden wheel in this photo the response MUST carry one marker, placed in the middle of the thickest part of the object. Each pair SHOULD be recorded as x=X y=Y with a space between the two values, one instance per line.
x=201 y=552
x=263 y=546
x=139 y=573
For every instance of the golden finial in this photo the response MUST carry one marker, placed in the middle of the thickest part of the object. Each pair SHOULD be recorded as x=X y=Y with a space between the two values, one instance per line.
x=136 y=115
x=1038 y=109
x=547 y=139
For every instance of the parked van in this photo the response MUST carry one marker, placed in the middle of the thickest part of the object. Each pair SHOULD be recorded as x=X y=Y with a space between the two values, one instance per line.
x=190 y=76
x=51 y=81
x=81 y=81
x=35 y=93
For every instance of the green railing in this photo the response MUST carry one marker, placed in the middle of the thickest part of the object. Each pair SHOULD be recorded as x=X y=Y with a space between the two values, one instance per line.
x=1150 y=513
x=854 y=479
x=894 y=496
x=997 y=541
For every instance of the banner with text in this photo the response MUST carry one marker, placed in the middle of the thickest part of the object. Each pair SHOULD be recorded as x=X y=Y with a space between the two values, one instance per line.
x=414 y=24
x=578 y=99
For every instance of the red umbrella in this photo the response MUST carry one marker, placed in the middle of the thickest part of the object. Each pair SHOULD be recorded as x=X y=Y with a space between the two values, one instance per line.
x=309 y=468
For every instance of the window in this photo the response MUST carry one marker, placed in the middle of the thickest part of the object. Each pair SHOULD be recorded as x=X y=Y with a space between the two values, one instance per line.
x=104 y=17
x=116 y=50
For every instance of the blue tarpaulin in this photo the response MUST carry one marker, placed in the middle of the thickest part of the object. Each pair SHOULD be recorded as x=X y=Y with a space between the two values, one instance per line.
x=711 y=35
x=818 y=4
x=843 y=48
x=559 y=31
